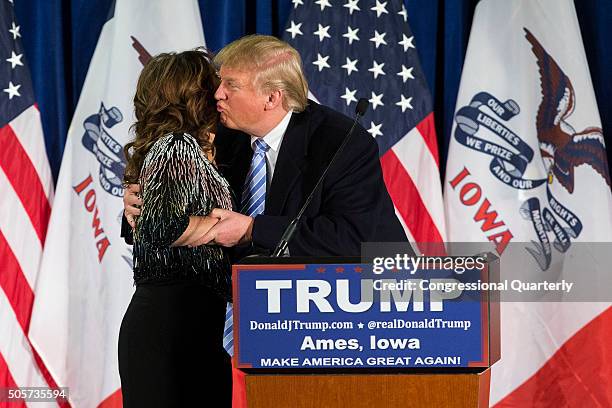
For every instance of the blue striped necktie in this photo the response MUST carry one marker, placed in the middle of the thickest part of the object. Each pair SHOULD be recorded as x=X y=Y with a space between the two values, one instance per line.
x=253 y=203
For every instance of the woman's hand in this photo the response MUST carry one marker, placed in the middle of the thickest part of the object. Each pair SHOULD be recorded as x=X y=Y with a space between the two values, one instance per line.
x=132 y=203
x=198 y=227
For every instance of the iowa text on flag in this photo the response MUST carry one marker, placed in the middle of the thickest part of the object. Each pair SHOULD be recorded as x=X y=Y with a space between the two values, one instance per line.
x=86 y=279
x=527 y=165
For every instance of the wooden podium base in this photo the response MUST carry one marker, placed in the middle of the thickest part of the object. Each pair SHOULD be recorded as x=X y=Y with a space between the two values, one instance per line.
x=368 y=390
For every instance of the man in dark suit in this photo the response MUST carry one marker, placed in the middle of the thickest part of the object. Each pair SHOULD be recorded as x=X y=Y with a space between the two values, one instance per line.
x=263 y=96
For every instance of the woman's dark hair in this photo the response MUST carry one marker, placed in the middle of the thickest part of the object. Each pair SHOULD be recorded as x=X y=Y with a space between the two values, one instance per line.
x=175 y=94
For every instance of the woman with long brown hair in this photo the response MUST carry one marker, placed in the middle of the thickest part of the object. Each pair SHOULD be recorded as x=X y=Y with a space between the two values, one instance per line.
x=171 y=334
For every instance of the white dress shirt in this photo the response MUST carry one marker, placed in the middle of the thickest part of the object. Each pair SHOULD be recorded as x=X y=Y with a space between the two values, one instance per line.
x=274 y=139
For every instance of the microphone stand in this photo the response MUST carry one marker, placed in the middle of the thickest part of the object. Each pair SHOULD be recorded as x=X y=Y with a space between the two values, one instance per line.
x=280 y=249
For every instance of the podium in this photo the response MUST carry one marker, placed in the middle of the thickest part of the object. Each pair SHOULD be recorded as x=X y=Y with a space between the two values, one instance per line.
x=458 y=377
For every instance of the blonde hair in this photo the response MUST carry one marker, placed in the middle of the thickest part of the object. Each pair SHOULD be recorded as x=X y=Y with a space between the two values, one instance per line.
x=276 y=66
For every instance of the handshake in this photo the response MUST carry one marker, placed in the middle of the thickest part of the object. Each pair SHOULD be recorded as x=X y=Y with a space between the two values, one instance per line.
x=220 y=227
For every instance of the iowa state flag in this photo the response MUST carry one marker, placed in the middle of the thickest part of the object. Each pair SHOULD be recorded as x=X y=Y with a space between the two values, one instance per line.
x=85 y=283
x=527 y=173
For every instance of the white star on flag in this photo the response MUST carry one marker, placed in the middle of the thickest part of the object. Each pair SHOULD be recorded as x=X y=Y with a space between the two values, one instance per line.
x=378 y=38
x=403 y=13
x=377 y=69
x=376 y=100
x=15 y=59
x=380 y=8
x=352 y=6
x=351 y=34
x=15 y=31
x=406 y=73
x=406 y=42
x=374 y=129
x=322 y=32
x=12 y=90
x=349 y=96
x=404 y=103
x=323 y=4
x=294 y=29
x=321 y=62
x=350 y=66
x=296 y=3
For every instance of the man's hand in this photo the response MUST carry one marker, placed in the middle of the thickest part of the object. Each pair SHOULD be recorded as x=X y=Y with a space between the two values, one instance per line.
x=131 y=203
x=232 y=229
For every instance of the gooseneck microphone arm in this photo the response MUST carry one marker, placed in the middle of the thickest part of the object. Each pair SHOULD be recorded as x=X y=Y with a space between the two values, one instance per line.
x=280 y=249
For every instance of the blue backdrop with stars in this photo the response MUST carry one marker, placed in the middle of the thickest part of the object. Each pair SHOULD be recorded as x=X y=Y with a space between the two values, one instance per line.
x=59 y=38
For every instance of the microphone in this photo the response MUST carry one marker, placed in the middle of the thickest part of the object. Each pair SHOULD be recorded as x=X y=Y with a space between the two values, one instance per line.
x=360 y=110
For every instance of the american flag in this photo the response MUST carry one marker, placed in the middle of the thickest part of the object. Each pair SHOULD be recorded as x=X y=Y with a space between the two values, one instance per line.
x=355 y=49
x=26 y=194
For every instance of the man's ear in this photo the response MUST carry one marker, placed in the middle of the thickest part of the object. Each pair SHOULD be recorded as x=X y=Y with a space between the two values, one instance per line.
x=275 y=98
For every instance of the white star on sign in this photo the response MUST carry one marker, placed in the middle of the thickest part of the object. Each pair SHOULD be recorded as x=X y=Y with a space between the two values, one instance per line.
x=321 y=62
x=294 y=29
x=406 y=73
x=377 y=69
x=406 y=42
x=360 y=325
x=350 y=66
x=380 y=8
x=322 y=32
x=349 y=96
x=404 y=103
x=15 y=31
x=376 y=100
x=378 y=38
x=296 y=3
x=352 y=6
x=323 y=4
x=351 y=34
x=403 y=13
x=12 y=90
x=15 y=59
x=374 y=130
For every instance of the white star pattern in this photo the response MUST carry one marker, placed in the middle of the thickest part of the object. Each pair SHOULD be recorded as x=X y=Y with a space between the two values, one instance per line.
x=350 y=66
x=322 y=32
x=12 y=90
x=294 y=29
x=360 y=325
x=323 y=4
x=406 y=73
x=376 y=100
x=406 y=42
x=378 y=38
x=403 y=13
x=377 y=69
x=349 y=96
x=374 y=129
x=352 y=6
x=321 y=62
x=15 y=31
x=351 y=35
x=380 y=8
x=404 y=103
x=296 y=3
x=15 y=60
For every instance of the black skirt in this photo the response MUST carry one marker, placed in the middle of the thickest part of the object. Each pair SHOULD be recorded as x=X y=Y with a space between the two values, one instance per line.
x=170 y=347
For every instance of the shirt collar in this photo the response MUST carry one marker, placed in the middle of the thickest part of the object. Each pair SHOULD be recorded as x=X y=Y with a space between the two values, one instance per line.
x=274 y=137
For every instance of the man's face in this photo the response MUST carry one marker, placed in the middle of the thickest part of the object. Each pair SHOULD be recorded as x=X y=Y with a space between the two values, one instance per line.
x=238 y=101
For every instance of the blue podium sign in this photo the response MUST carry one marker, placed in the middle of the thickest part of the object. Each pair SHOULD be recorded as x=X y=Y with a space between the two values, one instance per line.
x=326 y=315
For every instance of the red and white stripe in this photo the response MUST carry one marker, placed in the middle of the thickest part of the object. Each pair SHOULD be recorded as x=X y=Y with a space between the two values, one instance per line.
x=26 y=194
x=411 y=171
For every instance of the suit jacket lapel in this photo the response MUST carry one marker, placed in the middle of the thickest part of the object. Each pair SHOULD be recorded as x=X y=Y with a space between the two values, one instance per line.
x=290 y=162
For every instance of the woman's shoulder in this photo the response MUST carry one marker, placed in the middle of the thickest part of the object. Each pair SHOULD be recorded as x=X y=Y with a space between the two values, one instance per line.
x=172 y=139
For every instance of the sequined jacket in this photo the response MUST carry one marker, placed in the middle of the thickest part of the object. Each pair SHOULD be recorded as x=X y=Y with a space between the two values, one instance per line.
x=177 y=181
